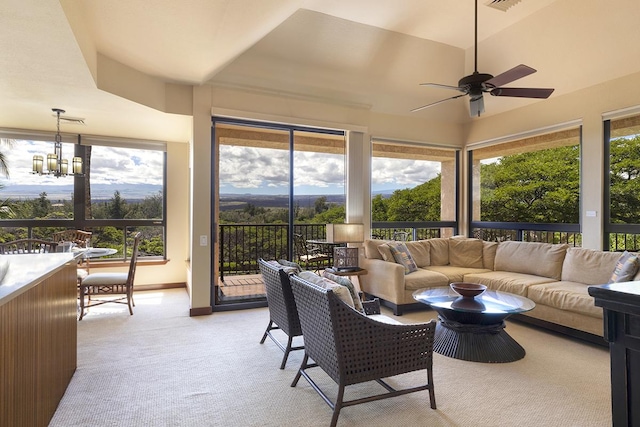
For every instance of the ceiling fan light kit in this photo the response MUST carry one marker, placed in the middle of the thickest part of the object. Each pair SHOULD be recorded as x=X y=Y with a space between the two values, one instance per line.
x=476 y=84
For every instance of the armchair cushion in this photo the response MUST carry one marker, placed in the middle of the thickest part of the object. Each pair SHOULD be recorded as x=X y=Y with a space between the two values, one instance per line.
x=340 y=291
x=290 y=267
x=344 y=281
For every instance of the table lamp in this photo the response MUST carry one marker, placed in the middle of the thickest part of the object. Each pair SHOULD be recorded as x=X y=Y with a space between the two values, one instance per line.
x=345 y=258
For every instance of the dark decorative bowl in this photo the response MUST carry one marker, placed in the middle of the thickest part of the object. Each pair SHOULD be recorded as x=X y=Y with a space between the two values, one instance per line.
x=468 y=290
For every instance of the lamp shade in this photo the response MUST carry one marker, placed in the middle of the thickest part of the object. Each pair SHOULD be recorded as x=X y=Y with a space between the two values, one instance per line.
x=345 y=233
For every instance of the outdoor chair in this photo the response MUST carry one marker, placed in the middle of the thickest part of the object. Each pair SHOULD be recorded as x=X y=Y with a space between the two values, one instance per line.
x=309 y=256
x=117 y=286
x=353 y=348
x=28 y=246
x=401 y=236
x=78 y=237
x=283 y=314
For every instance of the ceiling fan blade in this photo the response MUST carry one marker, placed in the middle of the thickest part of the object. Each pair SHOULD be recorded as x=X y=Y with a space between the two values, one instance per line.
x=521 y=92
x=444 y=86
x=436 y=103
x=517 y=72
x=476 y=106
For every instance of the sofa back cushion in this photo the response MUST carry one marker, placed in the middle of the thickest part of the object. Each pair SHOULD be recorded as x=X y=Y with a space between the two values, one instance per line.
x=371 y=248
x=420 y=251
x=588 y=266
x=489 y=254
x=465 y=253
x=540 y=259
x=439 y=251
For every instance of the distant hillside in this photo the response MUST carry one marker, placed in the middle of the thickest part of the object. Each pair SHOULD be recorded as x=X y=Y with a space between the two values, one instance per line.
x=239 y=201
x=64 y=192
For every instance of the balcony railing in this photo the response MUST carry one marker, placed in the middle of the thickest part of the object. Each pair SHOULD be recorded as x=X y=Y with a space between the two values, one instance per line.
x=527 y=232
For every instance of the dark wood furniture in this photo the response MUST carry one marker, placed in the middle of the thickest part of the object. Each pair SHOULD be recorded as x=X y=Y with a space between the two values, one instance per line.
x=28 y=246
x=473 y=328
x=283 y=313
x=621 y=305
x=352 y=348
x=38 y=336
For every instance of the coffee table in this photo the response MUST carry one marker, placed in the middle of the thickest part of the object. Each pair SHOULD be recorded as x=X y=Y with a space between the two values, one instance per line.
x=473 y=328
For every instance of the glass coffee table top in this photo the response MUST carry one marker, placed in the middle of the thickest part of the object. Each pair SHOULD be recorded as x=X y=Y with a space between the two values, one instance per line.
x=488 y=302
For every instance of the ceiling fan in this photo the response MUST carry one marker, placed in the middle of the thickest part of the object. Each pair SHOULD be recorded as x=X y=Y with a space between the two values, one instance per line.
x=476 y=84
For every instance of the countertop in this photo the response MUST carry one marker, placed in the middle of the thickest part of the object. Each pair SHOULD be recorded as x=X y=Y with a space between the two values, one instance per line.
x=25 y=270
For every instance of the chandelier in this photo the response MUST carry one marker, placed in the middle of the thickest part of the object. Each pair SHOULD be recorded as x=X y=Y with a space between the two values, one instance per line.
x=56 y=165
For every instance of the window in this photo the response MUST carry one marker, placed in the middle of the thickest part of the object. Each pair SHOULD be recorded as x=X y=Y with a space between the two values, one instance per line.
x=414 y=192
x=527 y=189
x=122 y=191
x=622 y=199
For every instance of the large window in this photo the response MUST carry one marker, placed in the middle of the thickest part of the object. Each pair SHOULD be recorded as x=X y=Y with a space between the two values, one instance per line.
x=121 y=191
x=414 y=192
x=622 y=206
x=527 y=189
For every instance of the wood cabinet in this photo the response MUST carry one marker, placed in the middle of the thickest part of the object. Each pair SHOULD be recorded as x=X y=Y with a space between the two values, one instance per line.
x=38 y=338
x=621 y=304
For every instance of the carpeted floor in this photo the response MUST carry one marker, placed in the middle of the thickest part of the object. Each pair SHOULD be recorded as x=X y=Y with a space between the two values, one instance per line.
x=161 y=367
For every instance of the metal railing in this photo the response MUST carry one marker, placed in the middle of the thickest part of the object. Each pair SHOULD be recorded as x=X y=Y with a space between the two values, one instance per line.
x=527 y=232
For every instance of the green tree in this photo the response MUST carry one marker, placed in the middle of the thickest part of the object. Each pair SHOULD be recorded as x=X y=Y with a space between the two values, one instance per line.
x=117 y=206
x=41 y=207
x=540 y=186
x=625 y=185
x=421 y=203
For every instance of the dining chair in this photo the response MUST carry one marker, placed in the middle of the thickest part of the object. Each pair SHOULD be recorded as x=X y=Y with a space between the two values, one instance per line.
x=117 y=285
x=28 y=246
x=79 y=237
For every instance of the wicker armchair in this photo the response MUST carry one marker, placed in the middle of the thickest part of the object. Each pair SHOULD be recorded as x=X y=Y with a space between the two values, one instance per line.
x=283 y=314
x=352 y=348
x=28 y=246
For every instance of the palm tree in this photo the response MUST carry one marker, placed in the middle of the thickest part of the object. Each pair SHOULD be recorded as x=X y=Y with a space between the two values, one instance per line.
x=4 y=168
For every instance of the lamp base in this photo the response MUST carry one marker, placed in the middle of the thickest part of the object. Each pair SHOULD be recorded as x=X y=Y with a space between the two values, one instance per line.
x=345 y=259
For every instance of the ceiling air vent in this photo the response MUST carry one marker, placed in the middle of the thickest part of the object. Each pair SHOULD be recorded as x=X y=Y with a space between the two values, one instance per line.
x=502 y=5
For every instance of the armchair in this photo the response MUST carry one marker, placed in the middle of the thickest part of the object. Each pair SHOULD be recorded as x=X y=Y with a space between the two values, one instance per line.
x=353 y=348
x=283 y=313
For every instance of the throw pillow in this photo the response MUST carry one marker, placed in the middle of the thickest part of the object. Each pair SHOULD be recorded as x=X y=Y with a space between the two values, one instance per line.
x=385 y=253
x=626 y=268
x=344 y=281
x=402 y=256
x=340 y=291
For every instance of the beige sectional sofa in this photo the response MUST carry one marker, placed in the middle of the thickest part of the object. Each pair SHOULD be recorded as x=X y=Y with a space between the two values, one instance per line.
x=555 y=277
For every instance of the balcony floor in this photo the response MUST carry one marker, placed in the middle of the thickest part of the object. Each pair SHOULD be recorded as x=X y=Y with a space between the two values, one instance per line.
x=238 y=288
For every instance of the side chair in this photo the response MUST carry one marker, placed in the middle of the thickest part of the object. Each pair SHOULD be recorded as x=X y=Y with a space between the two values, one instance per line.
x=352 y=348
x=117 y=285
x=283 y=313
x=78 y=237
x=28 y=246
x=308 y=255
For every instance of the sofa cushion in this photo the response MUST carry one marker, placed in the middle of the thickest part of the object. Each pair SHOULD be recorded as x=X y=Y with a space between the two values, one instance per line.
x=626 y=267
x=455 y=273
x=371 y=248
x=515 y=283
x=465 y=253
x=489 y=254
x=588 y=266
x=340 y=291
x=439 y=251
x=424 y=279
x=420 y=252
x=540 y=259
x=402 y=256
x=571 y=296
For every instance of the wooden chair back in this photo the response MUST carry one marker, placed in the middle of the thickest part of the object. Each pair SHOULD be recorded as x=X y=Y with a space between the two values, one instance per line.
x=28 y=246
